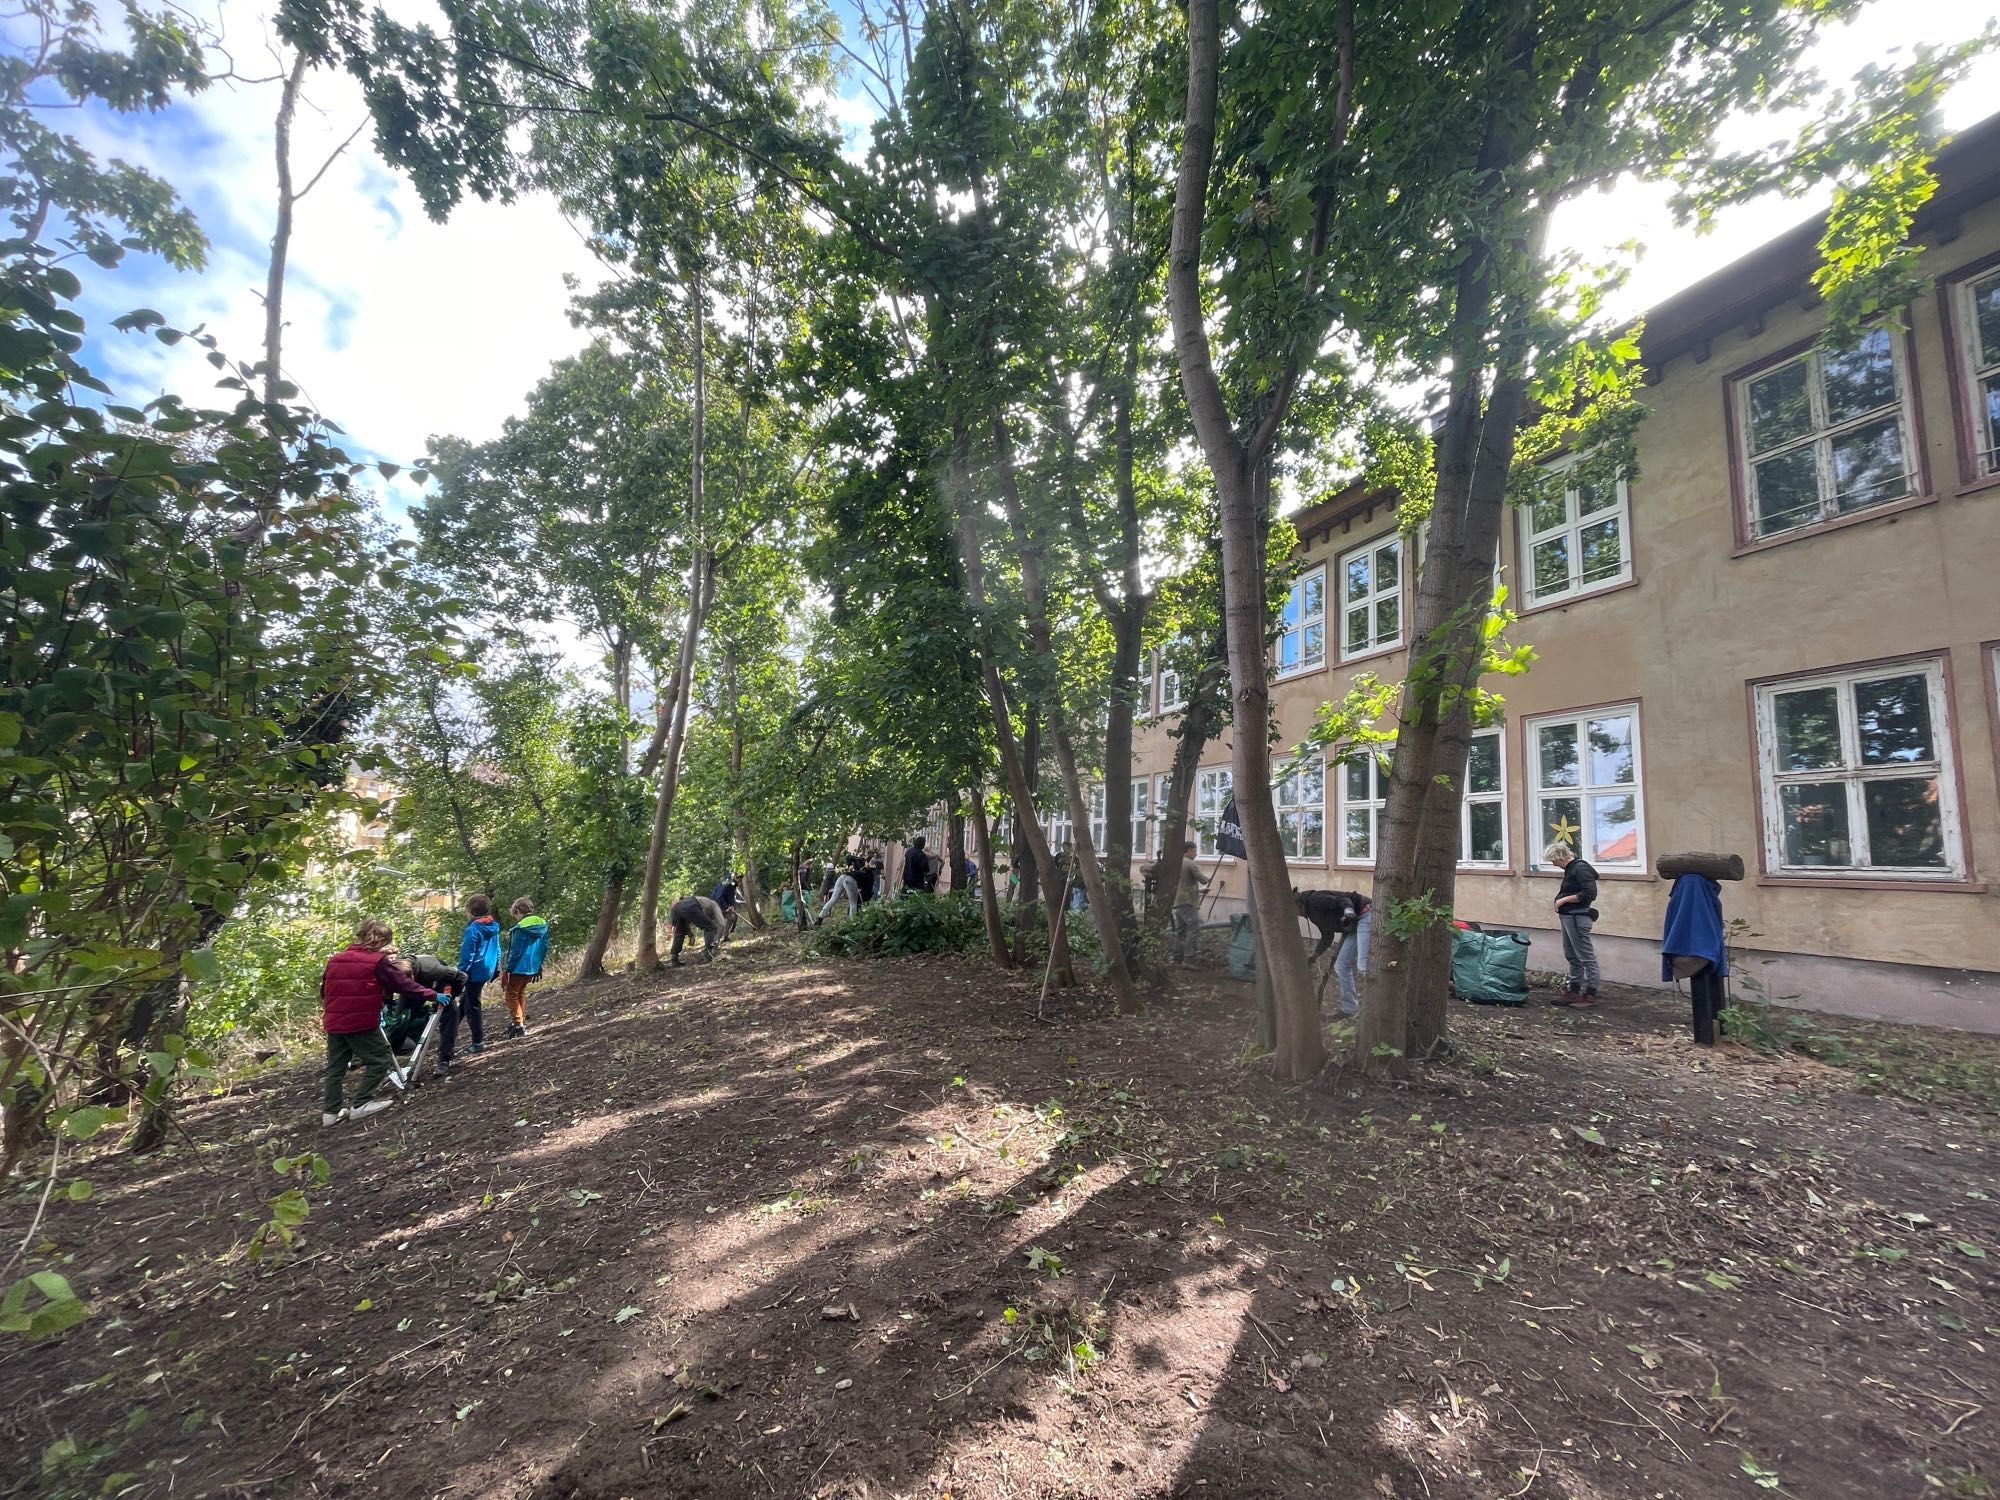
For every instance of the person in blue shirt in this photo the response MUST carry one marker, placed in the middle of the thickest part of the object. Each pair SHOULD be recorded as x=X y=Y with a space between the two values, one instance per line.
x=527 y=947
x=479 y=961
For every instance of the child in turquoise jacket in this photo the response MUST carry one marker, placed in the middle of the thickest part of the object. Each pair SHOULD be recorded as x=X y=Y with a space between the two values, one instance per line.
x=479 y=960
x=527 y=946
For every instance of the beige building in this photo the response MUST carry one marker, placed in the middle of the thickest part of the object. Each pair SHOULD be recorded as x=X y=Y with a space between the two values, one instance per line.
x=1782 y=639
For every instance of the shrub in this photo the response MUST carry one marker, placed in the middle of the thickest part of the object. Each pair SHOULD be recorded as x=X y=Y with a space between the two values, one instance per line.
x=914 y=922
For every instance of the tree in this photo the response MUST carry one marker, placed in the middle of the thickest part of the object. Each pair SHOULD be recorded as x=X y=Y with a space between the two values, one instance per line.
x=1342 y=234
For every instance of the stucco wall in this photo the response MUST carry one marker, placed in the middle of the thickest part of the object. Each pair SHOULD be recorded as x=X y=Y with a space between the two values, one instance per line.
x=1702 y=619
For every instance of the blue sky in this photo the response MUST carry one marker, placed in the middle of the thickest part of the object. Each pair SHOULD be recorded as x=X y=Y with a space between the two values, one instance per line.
x=400 y=328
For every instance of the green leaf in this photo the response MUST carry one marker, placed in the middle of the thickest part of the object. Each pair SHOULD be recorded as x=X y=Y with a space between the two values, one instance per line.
x=79 y=1191
x=84 y=1122
x=202 y=966
x=625 y=1314
x=1966 y=1247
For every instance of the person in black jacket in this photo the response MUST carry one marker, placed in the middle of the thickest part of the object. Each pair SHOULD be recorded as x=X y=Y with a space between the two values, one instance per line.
x=918 y=874
x=1576 y=911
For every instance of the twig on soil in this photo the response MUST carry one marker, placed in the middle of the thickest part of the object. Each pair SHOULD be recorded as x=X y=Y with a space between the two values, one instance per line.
x=954 y=1395
x=1652 y=1424
x=783 y=1298
x=1964 y=1416
x=1270 y=1334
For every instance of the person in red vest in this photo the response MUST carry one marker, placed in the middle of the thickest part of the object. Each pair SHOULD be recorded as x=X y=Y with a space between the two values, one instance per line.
x=351 y=991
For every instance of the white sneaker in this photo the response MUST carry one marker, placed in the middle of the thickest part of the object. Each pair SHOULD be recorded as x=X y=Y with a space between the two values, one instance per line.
x=372 y=1107
x=327 y=1119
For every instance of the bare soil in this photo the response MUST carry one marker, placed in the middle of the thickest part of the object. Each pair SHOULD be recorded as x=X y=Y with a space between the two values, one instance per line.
x=780 y=1226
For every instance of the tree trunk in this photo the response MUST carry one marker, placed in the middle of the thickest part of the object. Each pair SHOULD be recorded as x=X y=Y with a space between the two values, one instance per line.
x=281 y=234
x=1028 y=553
x=1193 y=739
x=601 y=936
x=739 y=825
x=1242 y=476
x=1027 y=827
x=954 y=844
x=700 y=572
x=989 y=898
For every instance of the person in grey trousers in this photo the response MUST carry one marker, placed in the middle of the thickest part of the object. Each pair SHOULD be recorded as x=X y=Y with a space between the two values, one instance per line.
x=1576 y=911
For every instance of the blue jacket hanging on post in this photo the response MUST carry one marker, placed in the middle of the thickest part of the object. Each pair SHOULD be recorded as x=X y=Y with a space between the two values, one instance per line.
x=1694 y=925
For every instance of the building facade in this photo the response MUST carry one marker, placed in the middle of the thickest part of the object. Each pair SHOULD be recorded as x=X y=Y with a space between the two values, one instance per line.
x=1782 y=639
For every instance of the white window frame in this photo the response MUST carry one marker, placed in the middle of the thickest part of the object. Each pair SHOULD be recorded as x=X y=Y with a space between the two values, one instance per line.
x=1170 y=699
x=1097 y=817
x=1943 y=769
x=1585 y=790
x=1468 y=798
x=1372 y=805
x=1985 y=431
x=1821 y=437
x=1293 y=807
x=1162 y=786
x=1211 y=795
x=1296 y=627
x=1376 y=593
x=1057 y=829
x=1142 y=827
x=1571 y=529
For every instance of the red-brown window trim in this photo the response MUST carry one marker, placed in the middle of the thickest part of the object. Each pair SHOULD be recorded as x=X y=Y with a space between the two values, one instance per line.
x=1964 y=415
x=1941 y=654
x=1746 y=540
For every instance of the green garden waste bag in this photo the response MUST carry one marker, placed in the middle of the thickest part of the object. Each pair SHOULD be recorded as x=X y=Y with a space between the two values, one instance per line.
x=1489 y=968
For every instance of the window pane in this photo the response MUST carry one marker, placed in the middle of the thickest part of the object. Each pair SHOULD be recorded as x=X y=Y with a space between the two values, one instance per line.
x=1808 y=725
x=1591 y=498
x=1388 y=619
x=1787 y=491
x=1779 y=407
x=1312 y=783
x=1548 y=511
x=1603 y=550
x=1986 y=313
x=1289 y=615
x=1991 y=442
x=1551 y=566
x=1389 y=565
x=1488 y=842
x=1611 y=751
x=1315 y=647
x=1561 y=821
x=1357 y=780
x=1312 y=835
x=1868 y=466
x=1355 y=845
x=1814 y=814
x=1357 y=579
x=1288 y=837
x=1556 y=754
x=1614 y=824
x=1859 y=380
x=1357 y=629
x=1893 y=718
x=1482 y=765
x=1312 y=591
x=1905 y=827
x=1288 y=650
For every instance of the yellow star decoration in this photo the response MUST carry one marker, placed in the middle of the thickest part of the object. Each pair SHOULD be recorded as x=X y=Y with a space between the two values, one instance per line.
x=1564 y=831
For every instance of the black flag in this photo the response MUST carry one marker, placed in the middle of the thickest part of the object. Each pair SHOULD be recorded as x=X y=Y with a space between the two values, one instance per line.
x=1229 y=833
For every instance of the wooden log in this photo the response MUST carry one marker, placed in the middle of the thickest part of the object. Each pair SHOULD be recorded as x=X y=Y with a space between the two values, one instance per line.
x=1714 y=866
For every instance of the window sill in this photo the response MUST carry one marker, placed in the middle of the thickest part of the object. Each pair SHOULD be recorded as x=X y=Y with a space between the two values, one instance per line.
x=1578 y=597
x=1839 y=523
x=1850 y=882
x=1977 y=486
x=1290 y=672
x=1486 y=870
x=1371 y=653
x=1646 y=877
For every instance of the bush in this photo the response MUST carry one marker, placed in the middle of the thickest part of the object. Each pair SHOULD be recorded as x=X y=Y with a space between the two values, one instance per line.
x=914 y=922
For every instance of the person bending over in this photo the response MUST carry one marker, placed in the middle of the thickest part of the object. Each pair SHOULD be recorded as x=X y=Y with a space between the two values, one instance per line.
x=350 y=991
x=689 y=913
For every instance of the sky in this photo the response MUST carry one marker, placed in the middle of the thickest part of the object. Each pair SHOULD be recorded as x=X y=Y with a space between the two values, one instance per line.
x=400 y=328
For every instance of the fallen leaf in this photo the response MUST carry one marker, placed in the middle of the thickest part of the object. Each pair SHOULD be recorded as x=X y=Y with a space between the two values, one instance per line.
x=625 y=1314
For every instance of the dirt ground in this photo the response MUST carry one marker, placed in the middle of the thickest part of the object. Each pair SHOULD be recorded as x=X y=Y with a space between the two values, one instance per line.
x=787 y=1227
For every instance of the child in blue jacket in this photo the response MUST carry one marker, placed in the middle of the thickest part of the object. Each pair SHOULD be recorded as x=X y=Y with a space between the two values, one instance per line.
x=479 y=959
x=527 y=946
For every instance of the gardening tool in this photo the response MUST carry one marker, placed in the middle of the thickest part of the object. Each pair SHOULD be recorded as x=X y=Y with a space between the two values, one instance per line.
x=1055 y=931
